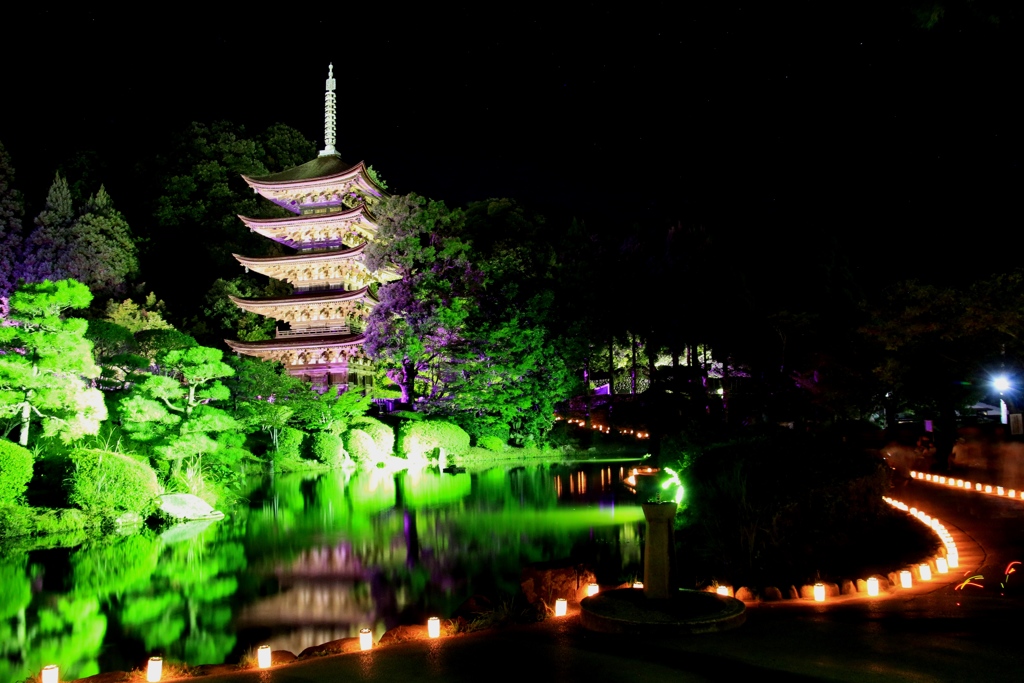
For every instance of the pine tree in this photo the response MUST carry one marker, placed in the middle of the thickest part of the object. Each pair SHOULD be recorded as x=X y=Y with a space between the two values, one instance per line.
x=11 y=209
x=51 y=237
x=101 y=253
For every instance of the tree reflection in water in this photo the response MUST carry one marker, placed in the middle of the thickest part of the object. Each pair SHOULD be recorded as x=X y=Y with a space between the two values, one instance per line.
x=312 y=558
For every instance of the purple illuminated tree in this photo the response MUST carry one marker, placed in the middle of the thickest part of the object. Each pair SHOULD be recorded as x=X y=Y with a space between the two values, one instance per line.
x=421 y=316
x=51 y=238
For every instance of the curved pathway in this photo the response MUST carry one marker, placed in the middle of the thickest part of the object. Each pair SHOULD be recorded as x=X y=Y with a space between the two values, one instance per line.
x=932 y=632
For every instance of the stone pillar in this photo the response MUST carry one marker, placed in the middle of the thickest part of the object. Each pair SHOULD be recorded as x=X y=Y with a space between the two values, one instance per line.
x=657 y=548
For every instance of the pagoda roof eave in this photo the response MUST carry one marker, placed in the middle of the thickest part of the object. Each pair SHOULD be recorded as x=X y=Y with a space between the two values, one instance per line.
x=314 y=172
x=308 y=298
x=338 y=340
x=361 y=211
x=351 y=253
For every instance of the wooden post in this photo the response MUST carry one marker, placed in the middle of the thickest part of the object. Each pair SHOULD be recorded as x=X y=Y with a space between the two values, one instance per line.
x=657 y=549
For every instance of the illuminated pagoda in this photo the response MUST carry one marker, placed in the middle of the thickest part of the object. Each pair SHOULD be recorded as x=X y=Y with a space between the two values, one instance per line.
x=326 y=314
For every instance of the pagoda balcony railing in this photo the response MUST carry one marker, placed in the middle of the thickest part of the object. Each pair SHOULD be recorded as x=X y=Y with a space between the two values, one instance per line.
x=315 y=331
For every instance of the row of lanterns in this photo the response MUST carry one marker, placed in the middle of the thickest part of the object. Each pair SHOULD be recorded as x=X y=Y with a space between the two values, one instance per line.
x=607 y=430
x=943 y=564
x=968 y=486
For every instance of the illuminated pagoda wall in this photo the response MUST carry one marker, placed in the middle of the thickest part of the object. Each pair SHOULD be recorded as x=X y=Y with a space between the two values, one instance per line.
x=324 y=318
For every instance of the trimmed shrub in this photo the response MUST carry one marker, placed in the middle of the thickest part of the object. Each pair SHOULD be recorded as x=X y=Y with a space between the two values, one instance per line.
x=329 y=449
x=491 y=443
x=289 y=444
x=16 y=520
x=361 y=446
x=108 y=482
x=417 y=439
x=381 y=433
x=15 y=472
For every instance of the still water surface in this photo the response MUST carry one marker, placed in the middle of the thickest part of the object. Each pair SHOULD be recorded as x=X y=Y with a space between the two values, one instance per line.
x=308 y=559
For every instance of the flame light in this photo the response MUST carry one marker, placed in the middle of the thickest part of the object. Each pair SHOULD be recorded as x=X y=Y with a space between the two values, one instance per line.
x=155 y=669
x=263 y=656
x=560 y=607
x=50 y=674
x=723 y=590
x=873 y=587
x=592 y=589
x=819 y=592
x=638 y=584
x=365 y=639
x=905 y=579
x=434 y=627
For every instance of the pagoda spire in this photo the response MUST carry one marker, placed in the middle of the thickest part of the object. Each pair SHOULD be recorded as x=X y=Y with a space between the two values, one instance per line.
x=330 y=113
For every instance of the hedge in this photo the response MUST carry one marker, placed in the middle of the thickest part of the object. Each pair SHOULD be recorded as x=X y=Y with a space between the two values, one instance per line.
x=491 y=443
x=328 y=449
x=417 y=439
x=361 y=446
x=15 y=472
x=382 y=434
x=104 y=481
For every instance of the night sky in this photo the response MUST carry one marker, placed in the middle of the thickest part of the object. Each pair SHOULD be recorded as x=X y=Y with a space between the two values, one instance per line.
x=773 y=123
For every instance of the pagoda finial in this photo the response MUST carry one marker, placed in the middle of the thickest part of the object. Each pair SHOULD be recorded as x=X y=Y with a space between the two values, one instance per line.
x=330 y=111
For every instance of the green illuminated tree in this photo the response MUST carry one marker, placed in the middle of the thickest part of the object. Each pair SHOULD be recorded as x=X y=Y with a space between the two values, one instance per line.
x=101 y=250
x=45 y=362
x=173 y=414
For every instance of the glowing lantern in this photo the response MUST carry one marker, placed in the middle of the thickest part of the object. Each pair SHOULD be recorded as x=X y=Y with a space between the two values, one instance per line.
x=434 y=627
x=977 y=487
x=905 y=579
x=941 y=566
x=988 y=488
x=913 y=474
x=965 y=484
x=263 y=656
x=638 y=584
x=560 y=607
x=723 y=590
x=592 y=589
x=819 y=592
x=925 y=572
x=942 y=480
x=873 y=587
x=927 y=477
x=953 y=558
x=50 y=674
x=1011 y=493
x=365 y=639
x=155 y=669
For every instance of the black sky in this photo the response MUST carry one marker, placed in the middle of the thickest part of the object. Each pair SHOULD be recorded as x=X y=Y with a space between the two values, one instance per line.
x=769 y=122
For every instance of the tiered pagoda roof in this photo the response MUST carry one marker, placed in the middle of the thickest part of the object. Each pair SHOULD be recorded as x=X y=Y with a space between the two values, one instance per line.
x=330 y=231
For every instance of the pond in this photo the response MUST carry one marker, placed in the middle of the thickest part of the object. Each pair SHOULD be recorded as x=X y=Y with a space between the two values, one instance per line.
x=309 y=559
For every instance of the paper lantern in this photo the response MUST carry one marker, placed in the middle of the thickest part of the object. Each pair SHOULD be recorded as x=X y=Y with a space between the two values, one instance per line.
x=905 y=579
x=942 y=480
x=988 y=488
x=953 y=559
x=819 y=592
x=434 y=627
x=941 y=566
x=155 y=669
x=977 y=487
x=638 y=584
x=365 y=639
x=592 y=589
x=723 y=590
x=873 y=586
x=925 y=572
x=263 y=656
x=927 y=477
x=560 y=607
x=1011 y=493
x=51 y=674
x=965 y=484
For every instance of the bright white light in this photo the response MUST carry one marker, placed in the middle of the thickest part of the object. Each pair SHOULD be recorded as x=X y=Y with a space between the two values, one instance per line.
x=1001 y=384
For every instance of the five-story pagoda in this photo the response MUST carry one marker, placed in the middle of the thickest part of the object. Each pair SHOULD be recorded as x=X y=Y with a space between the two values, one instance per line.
x=332 y=297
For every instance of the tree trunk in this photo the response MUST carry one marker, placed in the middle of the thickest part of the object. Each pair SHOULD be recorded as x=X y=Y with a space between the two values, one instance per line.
x=26 y=420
